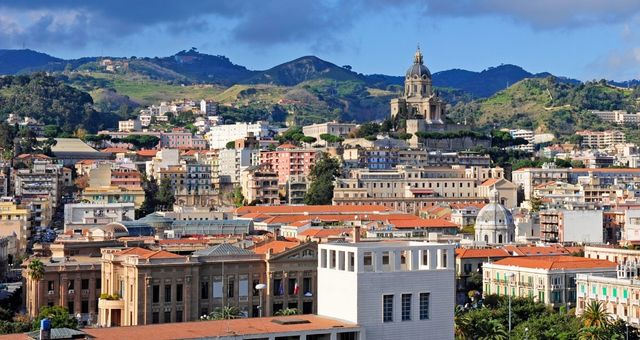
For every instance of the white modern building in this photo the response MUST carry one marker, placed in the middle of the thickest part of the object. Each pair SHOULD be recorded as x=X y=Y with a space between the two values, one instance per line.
x=219 y=135
x=393 y=290
x=129 y=125
x=82 y=216
x=208 y=107
x=527 y=135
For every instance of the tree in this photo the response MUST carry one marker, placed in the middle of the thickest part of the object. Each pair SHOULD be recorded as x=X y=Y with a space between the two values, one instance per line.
x=322 y=175
x=36 y=269
x=230 y=145
x=223 y=313
x=59 y=316
x=150 y=202
x=595 y=315
x=166 y=196
x=329 y=138
x=237 y=196
x=287 y=312
x=536 y=203
x=308 y=139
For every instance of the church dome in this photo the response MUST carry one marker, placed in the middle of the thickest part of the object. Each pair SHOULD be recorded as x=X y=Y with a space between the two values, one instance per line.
x=418 y=69
x=494 y=216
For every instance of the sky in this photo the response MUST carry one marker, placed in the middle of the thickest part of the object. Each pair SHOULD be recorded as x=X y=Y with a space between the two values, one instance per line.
x=583 y=39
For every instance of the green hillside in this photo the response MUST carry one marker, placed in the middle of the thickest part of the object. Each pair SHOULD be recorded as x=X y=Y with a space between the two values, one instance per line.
x=545 y=105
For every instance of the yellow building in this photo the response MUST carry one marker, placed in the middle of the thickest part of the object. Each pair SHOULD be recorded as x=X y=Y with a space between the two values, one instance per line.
x=15 y=220
x=114 y=194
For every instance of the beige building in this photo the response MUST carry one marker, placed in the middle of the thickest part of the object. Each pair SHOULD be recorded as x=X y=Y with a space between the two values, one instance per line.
x=601 y=139
x=410 y=189
x=146 y=287
x=260 y=185
x=332 y=128
x=529 y=178
x=547 y=279
x=15 y=220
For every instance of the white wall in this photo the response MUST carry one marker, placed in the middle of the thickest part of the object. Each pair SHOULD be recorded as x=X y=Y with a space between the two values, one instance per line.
x=582 y=226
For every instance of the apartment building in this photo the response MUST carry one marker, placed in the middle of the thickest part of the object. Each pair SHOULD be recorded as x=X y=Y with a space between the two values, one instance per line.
x=129 y=125
x=42 y=180
x=260 y=185
x=296 y=189
x=394 y=290
x=527 y=135
x=113 y=194
x=177 y=139
x=15 y=219
x=612 y=253
x=618 y=117
x=82 y=216
x=230 y=163
x=191 y=183
x=601 y=139
x=289 y=160
x=547 y=279
x=219 y=135
x=208 y=107
x=380 y=158
x=529 y=178
x=619 y=295
x=564 y=226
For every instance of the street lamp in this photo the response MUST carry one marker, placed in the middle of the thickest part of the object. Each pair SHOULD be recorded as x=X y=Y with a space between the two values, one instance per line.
x=510 y=276
x=260 y=287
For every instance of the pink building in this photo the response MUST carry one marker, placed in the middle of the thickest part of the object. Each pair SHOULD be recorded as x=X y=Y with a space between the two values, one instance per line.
x=289 y=160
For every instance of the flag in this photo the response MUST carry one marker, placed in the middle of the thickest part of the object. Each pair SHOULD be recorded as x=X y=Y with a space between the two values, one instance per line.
x=281 y=288
x=296 y=288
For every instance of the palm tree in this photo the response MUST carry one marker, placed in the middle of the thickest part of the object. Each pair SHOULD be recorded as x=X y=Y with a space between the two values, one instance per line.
x=491 y=329
x=287 y=312
x=595 y=315
x=225 y=313
x=36 y=269
x=594 y=333
x=461 y=324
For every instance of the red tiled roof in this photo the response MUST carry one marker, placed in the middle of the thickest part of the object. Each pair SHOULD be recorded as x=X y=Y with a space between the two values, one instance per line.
x=114 y=150
x=35 y=155
x=555 y=262
x=134 y=251
x=533 y=250
x=146 y=153
x=86 y=162
x=325 y=232
x=161 y=254
x=221 y=328
x=489 y=182
x=477 y=205
x=275 y=246
x=480 y=253
x=422 y=223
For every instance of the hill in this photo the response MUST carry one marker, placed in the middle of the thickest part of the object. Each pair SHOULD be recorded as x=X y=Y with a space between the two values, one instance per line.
x=545 y=105
x=13 y=61
x=303 y=69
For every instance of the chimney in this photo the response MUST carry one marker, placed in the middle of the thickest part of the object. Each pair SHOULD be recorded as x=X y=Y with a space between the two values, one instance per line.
x=355 y=237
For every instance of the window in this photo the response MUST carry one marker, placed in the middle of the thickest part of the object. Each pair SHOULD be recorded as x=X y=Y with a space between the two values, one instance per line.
x=278 y=289
x=155 y=317
x=424 y=306
x=204 y=290
x=70 y=305
x=443 y=263
x=84 y=306
x=230 y=288
x=179 y=314
x=167 y=317
x=50 y=285
x=167 y=293
x=406 y=307
x=256 y=292
x=179 y=292
x=71 y=284
x=387 y=308
x=306 y=285
x=98 y=284
x=292 y=286
x=84 y=283
x=385 y=258
x=425 y=257
x=156 y=294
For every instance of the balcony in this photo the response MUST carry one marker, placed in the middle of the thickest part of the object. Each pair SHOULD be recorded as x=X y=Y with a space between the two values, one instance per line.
x=110 y=304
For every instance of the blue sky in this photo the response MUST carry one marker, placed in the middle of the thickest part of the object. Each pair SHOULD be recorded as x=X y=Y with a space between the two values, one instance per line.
x=584 y=39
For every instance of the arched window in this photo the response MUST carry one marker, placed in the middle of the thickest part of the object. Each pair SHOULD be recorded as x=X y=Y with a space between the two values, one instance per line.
x=499 y=238
x=486 y=238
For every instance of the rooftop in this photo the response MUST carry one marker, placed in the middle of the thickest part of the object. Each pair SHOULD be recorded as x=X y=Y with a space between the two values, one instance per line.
x=318 y=209
x=71 y=145
x=222 y=328
x=462 y=253
x=555 y=262
x=275 y=246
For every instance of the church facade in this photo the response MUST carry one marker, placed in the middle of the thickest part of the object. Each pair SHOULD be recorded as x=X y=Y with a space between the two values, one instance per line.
x=418 y=100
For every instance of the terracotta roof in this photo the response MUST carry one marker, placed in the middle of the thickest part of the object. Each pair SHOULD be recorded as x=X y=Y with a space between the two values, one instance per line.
x=146 y=153
x=299 y=223
x=287 y=146
x=35 y=155
x=489 y=182
x=115 y=150
x=480 y=253
x=325 y=232
x=466 y=205
x=555 y=262
x=161 y=254
x=534 y=250
x=134 y=251
x=255 y=215
x=275 y=246
x=422 y=223
x=301 y=209
x=86 y=162
x=221 y=328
